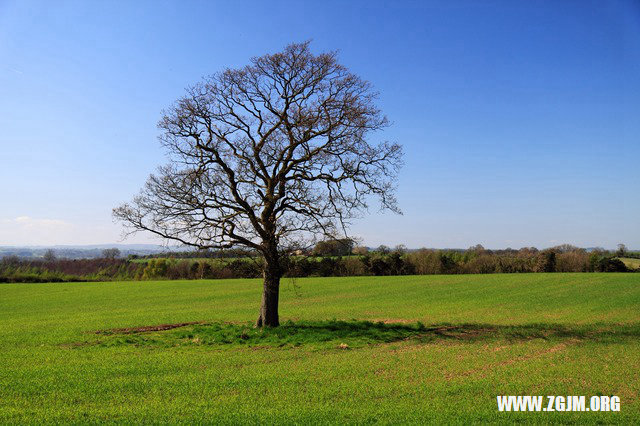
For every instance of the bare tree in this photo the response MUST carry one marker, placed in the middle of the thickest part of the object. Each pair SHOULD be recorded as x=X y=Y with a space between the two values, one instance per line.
x=49 y=255
x=111 y=253
x=268 y=156
x=622 y=250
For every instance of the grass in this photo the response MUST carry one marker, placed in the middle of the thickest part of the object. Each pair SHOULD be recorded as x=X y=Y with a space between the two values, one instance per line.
x=632 y=263
x=351 y=350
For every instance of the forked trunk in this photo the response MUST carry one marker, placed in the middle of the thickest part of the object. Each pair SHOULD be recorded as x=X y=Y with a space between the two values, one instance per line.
x=270 y=291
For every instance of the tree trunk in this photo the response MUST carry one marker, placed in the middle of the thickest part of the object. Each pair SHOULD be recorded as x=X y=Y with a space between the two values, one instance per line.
x=270 y=291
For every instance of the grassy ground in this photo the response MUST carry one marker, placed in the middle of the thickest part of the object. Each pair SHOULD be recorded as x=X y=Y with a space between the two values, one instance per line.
x=631 y=262
x=447 y=345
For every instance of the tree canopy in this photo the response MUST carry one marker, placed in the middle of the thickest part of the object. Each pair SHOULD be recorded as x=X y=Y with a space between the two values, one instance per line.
x=269 y=156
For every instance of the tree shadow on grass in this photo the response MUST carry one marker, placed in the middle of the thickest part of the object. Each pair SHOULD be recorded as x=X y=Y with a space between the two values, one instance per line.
x=351 y=334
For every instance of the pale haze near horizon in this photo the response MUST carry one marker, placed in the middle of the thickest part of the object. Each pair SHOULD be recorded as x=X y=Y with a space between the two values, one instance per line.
x=519 y=122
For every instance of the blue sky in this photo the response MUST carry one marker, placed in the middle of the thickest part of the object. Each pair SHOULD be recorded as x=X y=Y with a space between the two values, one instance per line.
x=520 y=120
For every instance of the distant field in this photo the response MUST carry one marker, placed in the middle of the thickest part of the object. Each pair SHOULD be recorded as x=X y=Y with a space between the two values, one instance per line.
x=479 y=336
x=631 y=262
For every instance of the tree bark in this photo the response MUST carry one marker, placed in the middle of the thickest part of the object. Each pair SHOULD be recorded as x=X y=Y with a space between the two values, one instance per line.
x=270 y=292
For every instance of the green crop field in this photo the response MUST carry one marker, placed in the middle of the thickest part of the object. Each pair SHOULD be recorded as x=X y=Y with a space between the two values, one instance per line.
x=359 y=350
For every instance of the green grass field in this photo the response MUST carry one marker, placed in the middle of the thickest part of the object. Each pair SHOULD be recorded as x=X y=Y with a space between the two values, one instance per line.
x=448 y=346
x=632 y=263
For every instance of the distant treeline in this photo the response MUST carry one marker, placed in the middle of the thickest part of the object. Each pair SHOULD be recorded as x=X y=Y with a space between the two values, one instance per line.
x=361 y=261
x=74 y=253
x=14 y=269
x=200 y=254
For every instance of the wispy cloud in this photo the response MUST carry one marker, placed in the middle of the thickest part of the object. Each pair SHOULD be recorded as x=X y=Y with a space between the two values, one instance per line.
x=31 y=230
x=31 y=223
x=15 y=70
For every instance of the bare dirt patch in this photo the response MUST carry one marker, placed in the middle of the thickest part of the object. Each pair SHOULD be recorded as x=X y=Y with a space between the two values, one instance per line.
x=147 y=328
x=394 y=321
